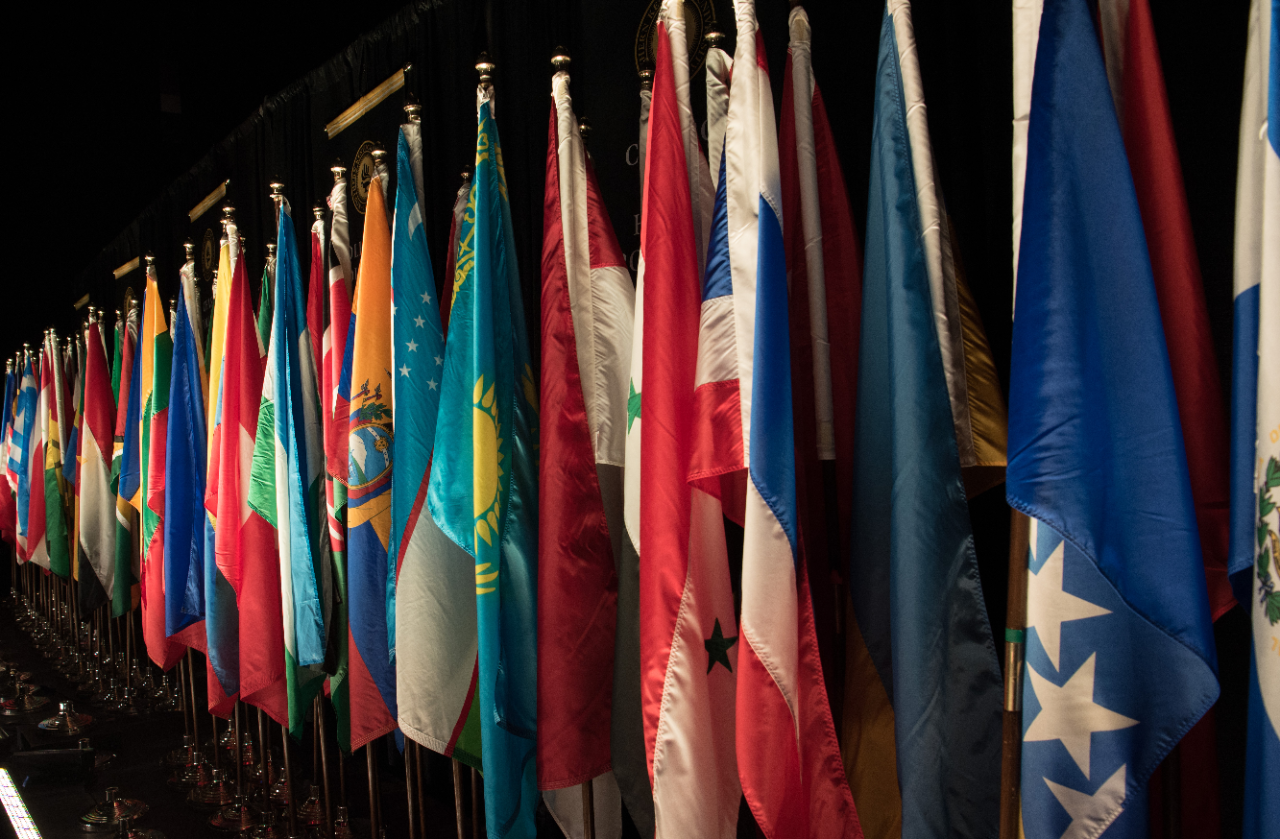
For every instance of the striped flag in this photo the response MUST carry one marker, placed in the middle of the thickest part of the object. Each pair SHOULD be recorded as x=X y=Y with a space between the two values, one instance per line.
x=56 y=536
x=97 y=520
x=435 y=579
x=588 y=306
x=1255 y=441
x=125 y=573
x=371 y=441
x=688 y=634
x=483 y=489
x=24 y=429
x=918 y=605
x=286 y=482
x=37 y=549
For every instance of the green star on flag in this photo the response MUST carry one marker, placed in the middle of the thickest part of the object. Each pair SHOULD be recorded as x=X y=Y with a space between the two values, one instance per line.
x=718 y=647
x=633 y=405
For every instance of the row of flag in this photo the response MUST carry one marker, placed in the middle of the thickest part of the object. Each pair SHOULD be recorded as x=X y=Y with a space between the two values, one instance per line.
x=365 y=487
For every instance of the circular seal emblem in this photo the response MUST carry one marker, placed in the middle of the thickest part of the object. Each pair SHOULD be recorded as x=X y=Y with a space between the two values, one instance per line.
x=369 y=457
x=208 y=254
x=699 y=19
x=361 y=175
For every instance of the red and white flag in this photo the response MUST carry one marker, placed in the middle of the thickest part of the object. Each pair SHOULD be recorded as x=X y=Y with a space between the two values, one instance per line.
x=688 y=634
x=97 y=520
x=588 y=305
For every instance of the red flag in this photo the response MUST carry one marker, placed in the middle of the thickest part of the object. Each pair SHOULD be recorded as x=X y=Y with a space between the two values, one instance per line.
x=1133 y=64
x=245 y=545
x=334 y=410
x=587 y=311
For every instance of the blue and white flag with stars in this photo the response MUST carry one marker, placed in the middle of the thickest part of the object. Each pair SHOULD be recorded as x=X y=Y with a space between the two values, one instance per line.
x=418 y=358
x=1120 y=659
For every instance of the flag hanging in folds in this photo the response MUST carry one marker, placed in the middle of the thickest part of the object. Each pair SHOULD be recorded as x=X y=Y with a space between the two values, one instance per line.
x=128 y=569
x=156 y=351
x=286 y=482
x=37 y=522
x=435 y=579
x=688 y=632
x=266 y=305
x=483 y=489
x=222 y=630
x=788 y=756
x=8 y=528
x=24 y=429
x=588 y=306
x=336 y=325
x=97 y=519
x=1123 y=661
x=56 y=535
x=370 y=677
x=1255 y=490
x=245 y=549
x=184 y=471
x=450 y=266
x=917 y=598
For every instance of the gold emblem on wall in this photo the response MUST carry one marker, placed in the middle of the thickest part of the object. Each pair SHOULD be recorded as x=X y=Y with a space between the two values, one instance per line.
x=699 y=18
x=361 y=176
x=208 y=254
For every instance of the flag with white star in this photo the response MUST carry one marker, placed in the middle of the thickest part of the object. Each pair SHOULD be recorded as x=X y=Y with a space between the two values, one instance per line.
x=1120 y=658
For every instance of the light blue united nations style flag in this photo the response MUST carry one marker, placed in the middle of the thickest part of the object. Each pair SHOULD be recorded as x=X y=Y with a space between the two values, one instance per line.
x=1120 y=655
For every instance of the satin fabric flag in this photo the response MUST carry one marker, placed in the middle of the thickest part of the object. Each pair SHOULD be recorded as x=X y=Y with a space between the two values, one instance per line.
x=245 y=549
x=434 y=585
x=1255 y=491
x=156 y=351
x=37 y=549
x=57 y=543
x=436 y=694
x=371 y=446
x=913 y=576
x=97 y=524
x=687 y=625
x=124 y=574
x=25 y=428
x=222 y=631
x=336 y=326
x=788 y=757
x=8 y=527
x=483 y=489
x=286 y=482
x=1121 y=661
x=588 y=309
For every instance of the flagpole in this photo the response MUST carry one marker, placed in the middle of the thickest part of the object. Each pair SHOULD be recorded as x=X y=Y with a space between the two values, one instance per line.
x=288 y=781
x=475 y=804
x=410 y=788
x=324 y=766
x=588 y=810
x=457 y=795
x=418 y=772
x=1014 y=638
x=375 y=815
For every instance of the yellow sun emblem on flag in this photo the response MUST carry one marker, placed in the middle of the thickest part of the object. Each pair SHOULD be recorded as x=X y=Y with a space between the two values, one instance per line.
x=486 y=460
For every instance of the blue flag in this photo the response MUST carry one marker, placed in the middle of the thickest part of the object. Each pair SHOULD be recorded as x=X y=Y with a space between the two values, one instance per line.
x=184 y=476
x=24 y=425
x=418 y=360
x=484 y=483
x=1120 y=658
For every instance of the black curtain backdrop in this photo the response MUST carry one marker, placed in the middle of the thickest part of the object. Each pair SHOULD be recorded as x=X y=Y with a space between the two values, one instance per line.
x=966 y=58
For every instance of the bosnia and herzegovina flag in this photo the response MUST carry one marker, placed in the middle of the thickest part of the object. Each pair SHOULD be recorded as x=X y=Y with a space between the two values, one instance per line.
x=288 y=465
x=914 y=577
x=1255 y=491
x=483 y=490
x=371 y=676
x=1121 y=662
x=434 y=584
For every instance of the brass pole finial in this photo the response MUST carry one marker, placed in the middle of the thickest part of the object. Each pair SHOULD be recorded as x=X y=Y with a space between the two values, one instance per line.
x=714 y=38
x=561 y=60
x=339 y=171
x=228 y=214
x=189 y=248
x=646 y=78
x=318 y=209
x=379 y=154
x=271 y=250
x=584 y=129
x=485 y=68
x=412 y=109
x=277 y=193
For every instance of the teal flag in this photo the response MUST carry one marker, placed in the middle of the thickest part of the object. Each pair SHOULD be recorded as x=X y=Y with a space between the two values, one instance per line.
x=484 y=483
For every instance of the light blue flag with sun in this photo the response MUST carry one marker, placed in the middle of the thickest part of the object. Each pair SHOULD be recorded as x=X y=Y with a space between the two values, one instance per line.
x=484 y=482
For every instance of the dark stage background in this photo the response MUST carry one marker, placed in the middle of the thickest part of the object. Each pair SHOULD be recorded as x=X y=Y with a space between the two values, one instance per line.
x=123 y=105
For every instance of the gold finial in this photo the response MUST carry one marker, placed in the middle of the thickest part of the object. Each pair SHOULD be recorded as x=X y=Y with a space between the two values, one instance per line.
x=584 y=128
x=467 y=172
x=228 y=214
x=714 y=38
x=379 y=154
x=271 y=250
x=189 y=248
x=561 y=60
x=646 y=78
x=485 y=68
x=318 y=209
x=412 y=110
x=339 y=171
x=277 y=194
x=150 y=259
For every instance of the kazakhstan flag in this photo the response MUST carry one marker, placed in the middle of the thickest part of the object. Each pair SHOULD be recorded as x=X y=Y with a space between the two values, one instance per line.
x=484 y=482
